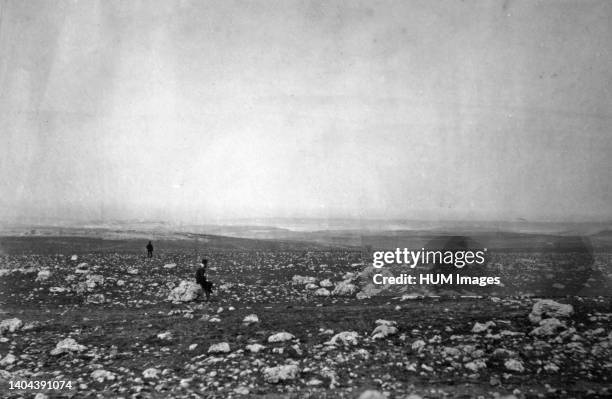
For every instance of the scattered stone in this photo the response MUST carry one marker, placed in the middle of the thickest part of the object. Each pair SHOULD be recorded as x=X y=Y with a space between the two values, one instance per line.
x=481 y=327
x=345 y=288
x=322 y=292
x=371 y=394
x=303 y=280
x=43 y=275
x=151 y=373
x=548 y=327
x=326 y=283
x=345 y=338
x=475 y=365
x=10 y=325
x=8 y=360
x=274 y=375
x=549 y=308
x=165 y=336
x=95 y=299
x=185 y=292
x=280 y=337
x=250 y=319
x=102 y=375
x=254 y=348
x=66 y=346
x=242 y=390
x=384 y=329
x=514 y=365
x=222 y=347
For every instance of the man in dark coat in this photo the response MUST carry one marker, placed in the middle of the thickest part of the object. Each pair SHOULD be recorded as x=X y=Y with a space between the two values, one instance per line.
x=201 y=279
x=149 y=250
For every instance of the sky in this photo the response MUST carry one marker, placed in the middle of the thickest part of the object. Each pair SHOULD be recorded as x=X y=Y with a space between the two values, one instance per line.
x=196 y=111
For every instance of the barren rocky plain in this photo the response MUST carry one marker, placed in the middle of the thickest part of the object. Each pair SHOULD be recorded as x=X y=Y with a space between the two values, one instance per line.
x=289 y=320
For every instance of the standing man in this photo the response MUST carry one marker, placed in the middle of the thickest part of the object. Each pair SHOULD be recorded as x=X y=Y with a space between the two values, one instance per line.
x=149 y=250
x=201 y=279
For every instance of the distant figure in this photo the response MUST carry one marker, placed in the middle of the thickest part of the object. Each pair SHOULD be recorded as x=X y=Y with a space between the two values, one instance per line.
x=149 y=250
x=201 y=279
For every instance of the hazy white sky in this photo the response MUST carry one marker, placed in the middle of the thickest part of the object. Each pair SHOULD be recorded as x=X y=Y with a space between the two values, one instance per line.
x=196 y=111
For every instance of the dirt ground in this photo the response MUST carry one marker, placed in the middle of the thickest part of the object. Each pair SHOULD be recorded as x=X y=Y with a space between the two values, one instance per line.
x=124 y=326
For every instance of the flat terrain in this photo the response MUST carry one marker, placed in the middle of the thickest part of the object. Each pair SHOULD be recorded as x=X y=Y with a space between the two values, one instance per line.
x=113 y=302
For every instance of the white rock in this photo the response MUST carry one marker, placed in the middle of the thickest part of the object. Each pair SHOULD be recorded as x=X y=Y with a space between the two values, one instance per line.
x=193 y=346
x=10 y=325
x=67 y=345
x=322 y=292
x=344 y=338
x=133 y=270
x=94 y=280
x=418 y=345
x=383 y=331
x=185 y=292
x=326 y=283
x=96 y=299
x=250 y=319
x=549 y=308
x=222 y=347
x=274 y=375
x=302 y=280
x=58 y=290
x=344 y=288
x=74 y=257
x=241 y=390
x=120 y=283
x=371 y=394
x=151 y=373
x=8 y=360
x=254 y=348
x=311 y=286
x=475 y=365
x=82 y=268
x=43 y=275
x=514 y=365
x=481 y=327
x=280 y=337
x=548 y=327
x=166 y=336
x=170 y=265
x=102 y=375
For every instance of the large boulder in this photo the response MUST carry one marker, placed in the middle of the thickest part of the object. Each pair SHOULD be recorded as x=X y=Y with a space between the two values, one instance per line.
x=274 y=375
x=549 y=308
x=67 y=345
x=185 y=292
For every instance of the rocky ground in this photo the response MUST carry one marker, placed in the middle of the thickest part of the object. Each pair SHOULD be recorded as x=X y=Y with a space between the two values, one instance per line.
x=283 y=324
